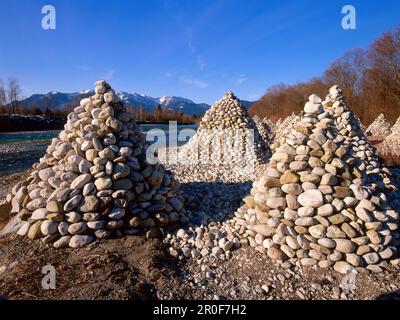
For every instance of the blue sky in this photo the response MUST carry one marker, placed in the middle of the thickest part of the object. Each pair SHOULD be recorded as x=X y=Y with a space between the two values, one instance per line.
x=194 y=49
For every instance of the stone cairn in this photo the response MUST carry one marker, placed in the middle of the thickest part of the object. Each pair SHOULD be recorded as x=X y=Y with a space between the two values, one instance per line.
x=396 y=127
x=320 y=201
x=394 y=136
x=361 y=125
x=227 y=138
x=271 y=125
x=94 y=181
x=283 y=128
x=389 y=149
x=379 y=128
x=264 y=129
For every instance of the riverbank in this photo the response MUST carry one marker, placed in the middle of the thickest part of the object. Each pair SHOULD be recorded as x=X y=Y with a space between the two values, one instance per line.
x=19 y=150
x=17 y=123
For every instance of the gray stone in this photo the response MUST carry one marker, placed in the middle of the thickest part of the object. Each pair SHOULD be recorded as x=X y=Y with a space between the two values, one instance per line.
x=78 y=241
x=345 y=246
x=80 y=181
x=371 y=258
x=311 y=198
x=48 y=227
x=343 y=267
x=103 y=183
x=77 y=228
x=62 y=242
x=116 y=214
x=72 y=203
x=39 y=214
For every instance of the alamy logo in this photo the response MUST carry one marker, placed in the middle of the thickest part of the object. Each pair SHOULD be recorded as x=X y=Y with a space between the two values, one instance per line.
x=349 y=20
x=49 y=280
x=49 y=20
x=349 y=281
x=212 y=147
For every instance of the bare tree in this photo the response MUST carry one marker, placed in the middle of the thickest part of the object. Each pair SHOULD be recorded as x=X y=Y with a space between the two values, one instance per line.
x=282 y=100
x=348 y=73
x=3 y=99
x=384 y=72
x=13 y=94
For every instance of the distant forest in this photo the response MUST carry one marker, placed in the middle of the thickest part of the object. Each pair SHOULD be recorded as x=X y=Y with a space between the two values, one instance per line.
x=10 y=96
x=369 y=77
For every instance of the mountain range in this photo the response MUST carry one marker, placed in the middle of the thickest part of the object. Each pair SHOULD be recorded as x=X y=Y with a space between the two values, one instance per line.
x=58 y=100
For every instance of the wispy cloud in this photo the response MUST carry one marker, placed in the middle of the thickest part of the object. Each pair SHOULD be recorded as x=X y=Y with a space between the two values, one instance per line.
x=189 y=36
x=201 y=62
x=82 y=67
x=109 y=74
x=254 y=96
x=241 y=79
x=189 y=40
x=189 y=80
x=168 y=75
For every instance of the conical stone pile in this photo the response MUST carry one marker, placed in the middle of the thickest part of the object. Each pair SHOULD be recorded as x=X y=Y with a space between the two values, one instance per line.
x=94 y=181
x=396 y=127
x=227 y=137
x=312 y=205
x=283 y=128
x=394 y=137
x=379 y=128
x=367 y=163
x=377 y=178
x=264 y=129
x=389 y=149
x=271 y=125
x=361 y=125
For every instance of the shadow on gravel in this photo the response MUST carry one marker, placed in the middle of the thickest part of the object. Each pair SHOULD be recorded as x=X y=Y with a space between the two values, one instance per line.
x=217 y=201
x=395 y=295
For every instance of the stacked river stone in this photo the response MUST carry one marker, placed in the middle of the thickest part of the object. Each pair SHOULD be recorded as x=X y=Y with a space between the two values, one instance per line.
x=379 y=128
x=271 y=125
x=396 y=127
x=264 y=129
x=320 y=202
x=394 y=137
x=227 y=137
x=390 y=147
x=94 y=181
x=283 y=128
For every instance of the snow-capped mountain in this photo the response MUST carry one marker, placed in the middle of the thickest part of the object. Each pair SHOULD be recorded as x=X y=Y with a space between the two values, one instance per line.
x=58 y=100
x=170 y=103
x=52 y=100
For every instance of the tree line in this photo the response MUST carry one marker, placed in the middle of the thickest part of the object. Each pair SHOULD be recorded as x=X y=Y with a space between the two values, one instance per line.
x=160 y=115
x=11 y=95
x=370 y=79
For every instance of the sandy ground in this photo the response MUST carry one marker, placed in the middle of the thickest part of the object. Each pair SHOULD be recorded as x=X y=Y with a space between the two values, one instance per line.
x=136 y=268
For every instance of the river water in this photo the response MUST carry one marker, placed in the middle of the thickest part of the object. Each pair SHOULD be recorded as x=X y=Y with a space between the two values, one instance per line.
x=20 y=150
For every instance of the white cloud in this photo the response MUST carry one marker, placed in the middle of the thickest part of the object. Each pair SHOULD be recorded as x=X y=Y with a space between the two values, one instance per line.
x=193 y=82
x=254 y=96
x=241 y=79
x=189 y=36
x=201 y=62
x=83 y=67
x=189 y=40
x=109 y=74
